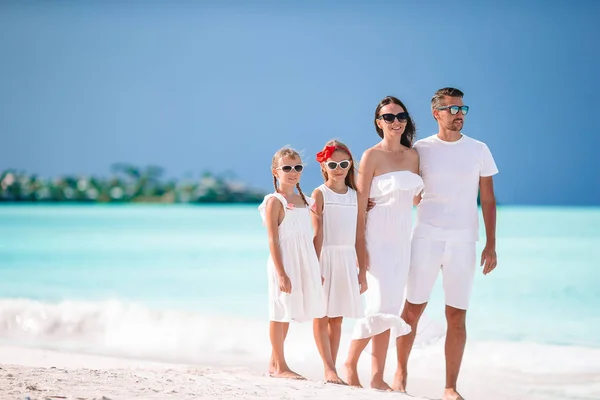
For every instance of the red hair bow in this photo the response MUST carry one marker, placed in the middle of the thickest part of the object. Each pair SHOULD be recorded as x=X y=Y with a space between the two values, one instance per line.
x=326 y=153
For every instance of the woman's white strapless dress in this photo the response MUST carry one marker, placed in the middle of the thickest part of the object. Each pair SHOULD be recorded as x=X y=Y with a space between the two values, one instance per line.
x=388 y=236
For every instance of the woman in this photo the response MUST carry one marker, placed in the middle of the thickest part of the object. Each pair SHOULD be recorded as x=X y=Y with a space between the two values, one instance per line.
x=388 y=173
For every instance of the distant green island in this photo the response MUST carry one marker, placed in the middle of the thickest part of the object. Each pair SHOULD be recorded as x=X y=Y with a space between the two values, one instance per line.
x=126 y=184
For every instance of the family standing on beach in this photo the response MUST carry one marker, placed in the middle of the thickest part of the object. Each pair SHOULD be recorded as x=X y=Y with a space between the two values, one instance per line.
x=354 y=235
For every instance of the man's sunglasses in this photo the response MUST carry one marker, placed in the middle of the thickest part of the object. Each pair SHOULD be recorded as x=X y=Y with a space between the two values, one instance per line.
x=389 y=118
x=455 y=109
x=333 y=164
x=288 y=168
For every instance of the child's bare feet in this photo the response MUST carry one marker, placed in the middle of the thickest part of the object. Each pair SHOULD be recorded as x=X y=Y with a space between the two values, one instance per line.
x=452 y=394
x=286 y=374
x=352 y=375
x=379 y=384
x=331 y=376
x=399 y=384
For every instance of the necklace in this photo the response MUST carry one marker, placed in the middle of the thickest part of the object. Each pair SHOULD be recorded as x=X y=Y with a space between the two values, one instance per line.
x=401 y=150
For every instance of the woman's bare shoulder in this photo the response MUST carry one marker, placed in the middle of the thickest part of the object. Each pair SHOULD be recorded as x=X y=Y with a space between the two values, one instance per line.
x=371 y=154
x=412 y=152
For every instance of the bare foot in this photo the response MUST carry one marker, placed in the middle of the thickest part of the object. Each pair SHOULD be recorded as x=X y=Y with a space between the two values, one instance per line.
x=379 y=384
x=399 y=384
x=452 y=394
x=332 y=377
x=352 y=375
x=286 y=374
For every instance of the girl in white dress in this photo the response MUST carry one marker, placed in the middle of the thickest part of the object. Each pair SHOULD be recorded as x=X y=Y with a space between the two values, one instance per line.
x=334 y=222
x=295 y=282
x=388 y=173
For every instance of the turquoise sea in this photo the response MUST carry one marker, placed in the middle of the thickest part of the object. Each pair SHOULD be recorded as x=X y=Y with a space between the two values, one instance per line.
x=188 y=283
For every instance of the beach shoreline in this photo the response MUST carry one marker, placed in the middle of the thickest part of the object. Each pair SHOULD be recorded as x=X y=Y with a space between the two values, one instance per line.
x=48 y=374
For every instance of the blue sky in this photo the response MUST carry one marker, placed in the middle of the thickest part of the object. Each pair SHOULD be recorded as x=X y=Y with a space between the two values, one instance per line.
x=195 y=86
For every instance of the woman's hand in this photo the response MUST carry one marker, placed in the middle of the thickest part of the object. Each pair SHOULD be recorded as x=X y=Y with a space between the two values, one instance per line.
x=362 y=282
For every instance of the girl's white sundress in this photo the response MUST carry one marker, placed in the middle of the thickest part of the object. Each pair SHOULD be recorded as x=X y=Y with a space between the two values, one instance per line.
x=338 y=255
x=300 y=263
x=388 y=235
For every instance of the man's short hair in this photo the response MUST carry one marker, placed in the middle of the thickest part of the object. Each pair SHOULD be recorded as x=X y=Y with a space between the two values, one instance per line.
x=438 y=97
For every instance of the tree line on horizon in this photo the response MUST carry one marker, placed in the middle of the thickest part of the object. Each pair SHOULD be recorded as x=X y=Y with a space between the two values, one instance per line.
x=126 y=183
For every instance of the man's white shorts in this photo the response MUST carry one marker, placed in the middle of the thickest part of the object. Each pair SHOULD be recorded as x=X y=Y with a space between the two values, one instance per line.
x=456 y=260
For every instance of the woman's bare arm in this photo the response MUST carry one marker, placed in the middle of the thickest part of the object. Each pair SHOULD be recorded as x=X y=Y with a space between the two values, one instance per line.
x=365 y=177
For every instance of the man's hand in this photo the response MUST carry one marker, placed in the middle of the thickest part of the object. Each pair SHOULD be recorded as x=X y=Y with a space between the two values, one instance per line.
x=488 y=259
x=370 y=204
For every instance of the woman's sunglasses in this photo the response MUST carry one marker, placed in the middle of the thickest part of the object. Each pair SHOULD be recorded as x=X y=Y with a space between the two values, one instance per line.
x=342 y=164
x=389 y=118
x=455 y=109
x=288 y=168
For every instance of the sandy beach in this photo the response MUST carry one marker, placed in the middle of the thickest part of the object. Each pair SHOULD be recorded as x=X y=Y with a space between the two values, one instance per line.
x=46 y=374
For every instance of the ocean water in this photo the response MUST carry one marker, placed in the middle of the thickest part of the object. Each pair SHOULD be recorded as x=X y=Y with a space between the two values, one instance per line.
x=188 y=283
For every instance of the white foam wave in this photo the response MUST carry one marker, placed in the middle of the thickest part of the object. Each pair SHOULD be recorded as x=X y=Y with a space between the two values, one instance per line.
x=118 y=328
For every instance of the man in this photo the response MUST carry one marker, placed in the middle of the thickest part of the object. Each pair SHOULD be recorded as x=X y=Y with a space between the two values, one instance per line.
x=454 y=168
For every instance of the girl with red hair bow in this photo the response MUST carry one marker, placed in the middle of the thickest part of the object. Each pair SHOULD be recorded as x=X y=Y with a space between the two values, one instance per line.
x=334 y=222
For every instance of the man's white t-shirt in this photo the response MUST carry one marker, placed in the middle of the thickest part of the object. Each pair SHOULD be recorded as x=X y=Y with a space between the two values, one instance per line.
x=451 y=171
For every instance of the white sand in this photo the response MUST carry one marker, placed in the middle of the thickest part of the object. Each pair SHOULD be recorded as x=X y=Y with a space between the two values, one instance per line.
x=45 y=374
x=42 y=374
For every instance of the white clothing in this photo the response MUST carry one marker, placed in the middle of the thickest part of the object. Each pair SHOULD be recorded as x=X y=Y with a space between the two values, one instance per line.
x=457 y=260
x=451 y=172
x=388 y=232
x=339 y=265
x=300 y=263
x=447 y=218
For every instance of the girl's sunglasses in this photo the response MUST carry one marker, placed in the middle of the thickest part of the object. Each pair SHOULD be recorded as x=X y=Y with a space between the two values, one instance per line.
x=342 y=164
x=455 y=109
x=389 y=118
x=288 y=168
